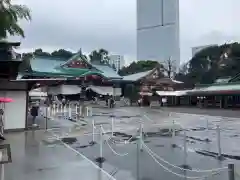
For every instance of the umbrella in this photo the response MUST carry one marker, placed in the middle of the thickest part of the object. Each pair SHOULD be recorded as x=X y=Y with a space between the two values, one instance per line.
x=5 y=100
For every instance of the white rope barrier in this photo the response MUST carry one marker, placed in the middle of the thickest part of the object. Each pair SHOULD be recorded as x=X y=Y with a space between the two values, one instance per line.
x=177 y=167
x=116 y=153
x=177 y=174
x=84 y=157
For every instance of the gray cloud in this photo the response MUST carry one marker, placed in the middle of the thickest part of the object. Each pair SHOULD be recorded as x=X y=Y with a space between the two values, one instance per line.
x=111 y=24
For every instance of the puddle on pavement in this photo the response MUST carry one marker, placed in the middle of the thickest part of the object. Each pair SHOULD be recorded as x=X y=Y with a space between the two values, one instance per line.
x=69 y=140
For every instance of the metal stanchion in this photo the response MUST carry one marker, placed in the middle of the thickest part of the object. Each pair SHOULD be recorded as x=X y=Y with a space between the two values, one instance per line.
x=76 y=108
x=90 y=111
x=2 y=172
x=101 y=159
x=93 y=133
x=112 y=126
x=139 y=143
x=80 y=110
x=185 y=165
x=173 y=134
x=49 y=112
x=219 y=143
x=141 y=137
x=46 y=118
x=231 y=175
x=65 y=110
x=87 y=111
x=207 y=127
x=54 y=109
x=69 y=112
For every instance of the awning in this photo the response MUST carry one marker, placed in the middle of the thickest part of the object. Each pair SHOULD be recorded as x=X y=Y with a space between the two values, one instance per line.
x=37 y=94
x=172 y=93
x=104 y=90
x=217 y=89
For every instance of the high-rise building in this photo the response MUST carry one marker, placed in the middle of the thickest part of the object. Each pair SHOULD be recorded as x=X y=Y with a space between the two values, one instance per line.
x=117 y=60
x=158 y=30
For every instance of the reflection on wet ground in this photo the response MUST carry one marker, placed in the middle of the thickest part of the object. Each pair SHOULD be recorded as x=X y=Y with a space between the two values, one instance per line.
x=121 y=152
x=157 y=125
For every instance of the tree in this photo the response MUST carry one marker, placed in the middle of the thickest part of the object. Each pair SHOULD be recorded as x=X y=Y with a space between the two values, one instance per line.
x=40 y=52
x=62 y=53
x=10 y=14
x=170 y=67
x=212 y=63
x=139 y=66
x=100 y=56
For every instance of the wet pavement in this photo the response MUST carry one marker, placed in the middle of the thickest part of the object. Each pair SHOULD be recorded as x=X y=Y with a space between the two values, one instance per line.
x=36 y=155
x=42 y=157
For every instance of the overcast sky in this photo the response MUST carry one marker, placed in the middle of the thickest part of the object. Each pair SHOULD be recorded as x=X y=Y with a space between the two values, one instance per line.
x=111 y=24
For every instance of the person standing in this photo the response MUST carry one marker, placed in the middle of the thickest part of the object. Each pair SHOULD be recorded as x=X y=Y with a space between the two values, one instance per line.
x=1 y=125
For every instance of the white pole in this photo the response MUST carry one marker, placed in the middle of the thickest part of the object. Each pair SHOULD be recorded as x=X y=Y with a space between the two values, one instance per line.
x=112 y=126
x=87 y=111
x=185 y=147
x=207 y=127
x=65 y=111
x=57 y=108
x=173 y=133
x=61 y=108
x=90 y=111
x=70 y=112
x=48 y=112
x=2 y=172
x=54 y=109
x=101 y=142
x=2 y=167
x=141 y=138
x=219 y=142
x=93 y=130
x=76 y=109
x=80 y=110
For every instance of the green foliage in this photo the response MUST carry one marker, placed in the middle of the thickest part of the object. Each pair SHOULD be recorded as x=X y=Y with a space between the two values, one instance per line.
x=60 y=54
x=100 y=56
x=10 y=15
x=212 y=63
x=139 y=66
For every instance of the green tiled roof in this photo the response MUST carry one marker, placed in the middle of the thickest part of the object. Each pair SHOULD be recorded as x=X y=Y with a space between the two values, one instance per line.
x=53 y=67
x=43 y=66
x=216 y=88
x=136 y=76
x=232 y=87
x=107 y=71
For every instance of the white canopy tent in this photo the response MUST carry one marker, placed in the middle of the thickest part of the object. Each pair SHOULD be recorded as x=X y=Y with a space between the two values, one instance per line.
x=172 y=93
x=64 y=89
x=104 y=90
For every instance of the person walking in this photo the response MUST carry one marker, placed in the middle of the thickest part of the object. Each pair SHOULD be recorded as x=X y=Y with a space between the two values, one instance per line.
x=34 y=113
